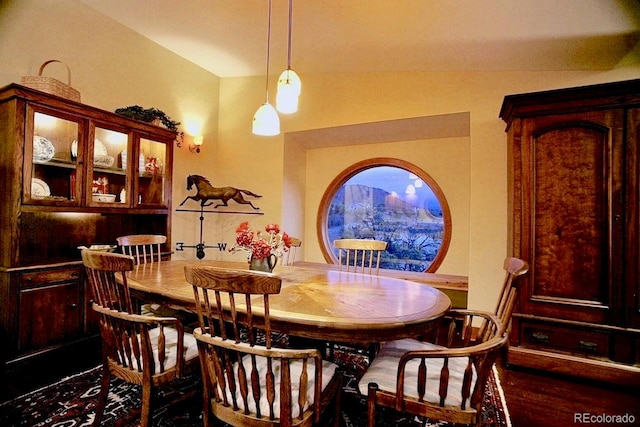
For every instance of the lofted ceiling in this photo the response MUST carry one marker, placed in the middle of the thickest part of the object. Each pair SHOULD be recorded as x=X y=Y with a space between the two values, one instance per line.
x=229 y=37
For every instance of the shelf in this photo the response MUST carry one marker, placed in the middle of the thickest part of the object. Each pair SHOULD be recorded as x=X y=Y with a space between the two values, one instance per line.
x=56 y=163
x=111 y=171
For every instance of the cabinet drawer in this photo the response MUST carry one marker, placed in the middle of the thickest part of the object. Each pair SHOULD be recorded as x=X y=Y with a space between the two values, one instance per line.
x=43 y=277
x=565 y=339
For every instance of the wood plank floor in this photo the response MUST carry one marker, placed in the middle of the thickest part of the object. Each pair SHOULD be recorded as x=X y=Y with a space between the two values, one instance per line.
x=538 y=399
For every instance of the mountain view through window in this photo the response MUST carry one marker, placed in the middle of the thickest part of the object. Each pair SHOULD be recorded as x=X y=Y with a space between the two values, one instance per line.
x=391 y=204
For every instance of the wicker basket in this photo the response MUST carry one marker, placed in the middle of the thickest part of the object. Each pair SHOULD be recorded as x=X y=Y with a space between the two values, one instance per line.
x=51 y=85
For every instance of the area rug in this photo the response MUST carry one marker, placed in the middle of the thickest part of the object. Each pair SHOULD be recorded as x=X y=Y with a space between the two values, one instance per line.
x=71 y=403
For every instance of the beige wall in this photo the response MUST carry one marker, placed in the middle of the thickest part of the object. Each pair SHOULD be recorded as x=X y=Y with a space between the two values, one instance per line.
x=114 y=67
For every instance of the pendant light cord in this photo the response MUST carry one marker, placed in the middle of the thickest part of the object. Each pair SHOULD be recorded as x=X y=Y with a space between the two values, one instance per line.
x=289 y=44
x=268 y=52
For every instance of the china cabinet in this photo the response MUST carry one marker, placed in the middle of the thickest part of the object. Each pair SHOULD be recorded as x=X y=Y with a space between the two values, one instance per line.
x=70 y=175
x=574 y=197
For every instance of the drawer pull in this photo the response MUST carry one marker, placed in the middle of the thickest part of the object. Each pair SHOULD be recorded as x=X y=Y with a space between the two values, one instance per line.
x=586 y=345
x=540 y=337
x=74 y=306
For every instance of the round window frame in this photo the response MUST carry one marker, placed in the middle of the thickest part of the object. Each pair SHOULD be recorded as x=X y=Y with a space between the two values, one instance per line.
x=348 y=173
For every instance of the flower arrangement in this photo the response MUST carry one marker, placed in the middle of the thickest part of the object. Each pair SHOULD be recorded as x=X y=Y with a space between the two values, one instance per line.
x=258 y=245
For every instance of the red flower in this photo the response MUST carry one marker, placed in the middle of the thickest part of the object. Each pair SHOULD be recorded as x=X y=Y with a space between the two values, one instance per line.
x=244 y=235
x=273 y=228
x=260 y=249
x=286 y=239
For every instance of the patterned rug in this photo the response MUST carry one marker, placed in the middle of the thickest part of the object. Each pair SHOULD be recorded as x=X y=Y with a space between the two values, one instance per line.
x=71 y=403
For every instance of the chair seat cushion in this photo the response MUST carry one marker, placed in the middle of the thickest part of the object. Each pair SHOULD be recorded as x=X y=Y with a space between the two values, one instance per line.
x=384 y=371
x=328 y=370
x=171 y=347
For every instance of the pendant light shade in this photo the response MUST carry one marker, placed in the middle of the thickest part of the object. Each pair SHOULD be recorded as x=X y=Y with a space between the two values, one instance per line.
x=287 y=98
x=289 y=86
x=289 y=83
x=290 y=78
x=266 y=121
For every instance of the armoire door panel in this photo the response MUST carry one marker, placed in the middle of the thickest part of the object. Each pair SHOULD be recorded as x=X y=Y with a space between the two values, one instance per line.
x=572 y=158
x=632 y=219
x=570 y=239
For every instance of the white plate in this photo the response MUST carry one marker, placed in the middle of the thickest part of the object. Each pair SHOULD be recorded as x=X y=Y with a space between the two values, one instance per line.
x=99 y=149
x=39 y=189
x=74 y=149
x=100 y=156
x=43 y=149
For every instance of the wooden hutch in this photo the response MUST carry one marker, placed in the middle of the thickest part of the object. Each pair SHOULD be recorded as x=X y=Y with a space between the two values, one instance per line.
x=574 y=199
x=70 y=175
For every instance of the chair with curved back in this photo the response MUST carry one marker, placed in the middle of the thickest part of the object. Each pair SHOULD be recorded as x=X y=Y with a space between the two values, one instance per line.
x=143 y=247
x=247 y=380
x=445 y=380
x=144 y=350
x=293 y=249
x=360 y=255
x=146 y=249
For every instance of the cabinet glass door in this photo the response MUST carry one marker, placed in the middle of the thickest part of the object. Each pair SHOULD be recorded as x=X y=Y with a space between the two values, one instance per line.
x=109 y=168
x=151 y=174
x=51 y=166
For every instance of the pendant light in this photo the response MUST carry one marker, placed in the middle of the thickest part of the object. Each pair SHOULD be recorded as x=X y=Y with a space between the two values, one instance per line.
x=289 y=83
x=266 y=121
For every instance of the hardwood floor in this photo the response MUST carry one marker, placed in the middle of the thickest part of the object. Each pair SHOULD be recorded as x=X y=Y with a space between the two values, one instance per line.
x=537 y=399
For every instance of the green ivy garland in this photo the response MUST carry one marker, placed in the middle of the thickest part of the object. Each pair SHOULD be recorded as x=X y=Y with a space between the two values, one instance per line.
x=148 y=115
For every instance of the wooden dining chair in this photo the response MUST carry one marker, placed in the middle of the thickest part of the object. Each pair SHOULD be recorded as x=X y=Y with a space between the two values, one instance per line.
x=360 y=255
x=293 y=249
x=143 y=247
x=146 y=248
x=445 y=380
x=247 y=380
x=145 y=350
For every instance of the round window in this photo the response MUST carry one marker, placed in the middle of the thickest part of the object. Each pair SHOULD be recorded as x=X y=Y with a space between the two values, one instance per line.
x=391 y=200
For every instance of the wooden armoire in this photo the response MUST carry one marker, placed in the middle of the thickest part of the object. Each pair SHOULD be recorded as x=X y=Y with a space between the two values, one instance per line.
x=574 y=194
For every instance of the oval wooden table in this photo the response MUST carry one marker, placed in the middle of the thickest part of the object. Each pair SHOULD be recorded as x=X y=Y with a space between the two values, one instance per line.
x=315 y=303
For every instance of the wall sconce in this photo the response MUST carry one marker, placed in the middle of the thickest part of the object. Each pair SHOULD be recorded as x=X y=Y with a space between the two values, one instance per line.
x=194 y=147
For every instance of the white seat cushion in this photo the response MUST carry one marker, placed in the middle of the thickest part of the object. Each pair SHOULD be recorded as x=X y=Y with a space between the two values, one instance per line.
x=171 y=344
x=328 y=370
x=384 y=371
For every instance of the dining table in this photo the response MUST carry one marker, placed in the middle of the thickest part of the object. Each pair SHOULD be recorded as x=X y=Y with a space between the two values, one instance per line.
x=316 y=303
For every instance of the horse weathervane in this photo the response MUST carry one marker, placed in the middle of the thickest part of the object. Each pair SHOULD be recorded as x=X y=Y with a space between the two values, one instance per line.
x=207 y=192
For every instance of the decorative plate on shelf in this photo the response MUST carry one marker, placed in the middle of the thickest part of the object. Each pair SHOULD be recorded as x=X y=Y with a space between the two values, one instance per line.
x=74 y=149
x=39 y=189
x=43 y=149
x=99 y=149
